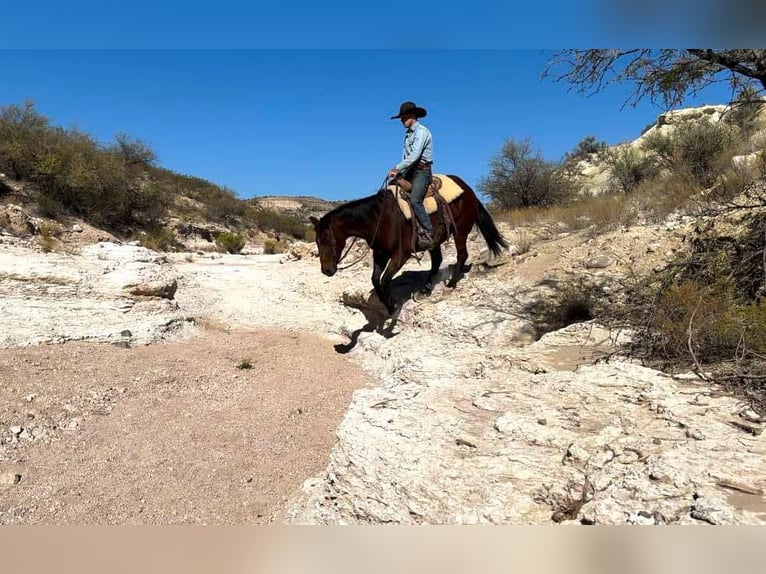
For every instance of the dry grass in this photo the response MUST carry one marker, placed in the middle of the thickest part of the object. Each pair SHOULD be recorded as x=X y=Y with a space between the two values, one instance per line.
x=658 y=198
x=523 y=242
x=600 y=212
x=271 y=247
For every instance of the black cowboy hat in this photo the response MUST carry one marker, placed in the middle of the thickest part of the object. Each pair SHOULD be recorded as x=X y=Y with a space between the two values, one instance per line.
x=410 y=108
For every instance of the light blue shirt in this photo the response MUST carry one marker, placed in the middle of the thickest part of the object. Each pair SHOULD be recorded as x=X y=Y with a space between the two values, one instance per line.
x=418 y=145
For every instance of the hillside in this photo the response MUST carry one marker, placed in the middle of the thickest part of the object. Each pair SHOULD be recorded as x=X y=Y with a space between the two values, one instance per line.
x=59 y=178
x=303 y=206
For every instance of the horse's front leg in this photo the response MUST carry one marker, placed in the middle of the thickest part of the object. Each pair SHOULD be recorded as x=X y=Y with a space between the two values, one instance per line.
x=380 y=260
x=393 y=268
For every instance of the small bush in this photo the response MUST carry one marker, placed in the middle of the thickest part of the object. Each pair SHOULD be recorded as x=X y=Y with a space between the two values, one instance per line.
x=230 y=242
x=522 y=242
x=245 y=364
x=630 y=167
x=158 y=239
x=584 y=149
x=574 y=300
x=520 y=177
x=745 y=109
x=706 y=318
x=51 y=229
x=698 y=149
x=283 y=224
x=272 y=247
x=48 y=243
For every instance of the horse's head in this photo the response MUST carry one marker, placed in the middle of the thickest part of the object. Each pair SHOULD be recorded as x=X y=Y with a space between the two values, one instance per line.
x=330 y=244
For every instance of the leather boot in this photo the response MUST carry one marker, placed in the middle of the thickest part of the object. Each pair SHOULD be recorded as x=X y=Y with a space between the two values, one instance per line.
x=425 y=241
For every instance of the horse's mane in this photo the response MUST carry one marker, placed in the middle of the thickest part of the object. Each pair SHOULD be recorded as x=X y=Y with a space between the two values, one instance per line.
x=356 y=211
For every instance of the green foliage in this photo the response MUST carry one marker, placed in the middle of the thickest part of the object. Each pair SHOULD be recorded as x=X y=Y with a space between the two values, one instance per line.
x=245 y=364
x=696 y=148
x=104 y=185
x=220 y=204
x=709 y=298
x=630 y=167
x=584 y=149
x=158 y=239
x=283 y=224
x=230 y=242
x=707 y=318
x=520 y=177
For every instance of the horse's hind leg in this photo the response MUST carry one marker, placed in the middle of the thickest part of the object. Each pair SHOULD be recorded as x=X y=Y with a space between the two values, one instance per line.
x=462 y=257
x=436 y=261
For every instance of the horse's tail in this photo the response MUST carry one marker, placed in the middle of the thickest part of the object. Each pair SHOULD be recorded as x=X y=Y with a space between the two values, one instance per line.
x=489 y=231
x=495 y=241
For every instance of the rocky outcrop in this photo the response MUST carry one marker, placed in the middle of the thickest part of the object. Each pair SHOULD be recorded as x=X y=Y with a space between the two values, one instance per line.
x=594 y=175
x=97 y=294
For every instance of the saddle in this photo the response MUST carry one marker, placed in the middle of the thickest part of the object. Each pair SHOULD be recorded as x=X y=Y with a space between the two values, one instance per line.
x=433 y=187
x=441 y=186
x=445 y=225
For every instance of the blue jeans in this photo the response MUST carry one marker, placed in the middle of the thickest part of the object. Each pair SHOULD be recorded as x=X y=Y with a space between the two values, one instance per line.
x=420 y=179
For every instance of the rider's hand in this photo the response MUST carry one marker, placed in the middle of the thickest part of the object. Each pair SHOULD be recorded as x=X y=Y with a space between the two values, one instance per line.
x=392 y=174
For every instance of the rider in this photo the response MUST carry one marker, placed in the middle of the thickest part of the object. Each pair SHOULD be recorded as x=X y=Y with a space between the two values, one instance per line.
x=417 y=159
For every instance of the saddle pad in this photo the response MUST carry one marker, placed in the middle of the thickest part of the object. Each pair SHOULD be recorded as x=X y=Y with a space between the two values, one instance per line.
x=449 y=191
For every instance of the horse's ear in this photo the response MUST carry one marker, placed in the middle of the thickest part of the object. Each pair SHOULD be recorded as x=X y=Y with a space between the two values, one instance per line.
x=314 y=221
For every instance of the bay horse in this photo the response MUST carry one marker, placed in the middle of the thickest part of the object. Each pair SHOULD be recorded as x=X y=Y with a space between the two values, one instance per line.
x=379 y=221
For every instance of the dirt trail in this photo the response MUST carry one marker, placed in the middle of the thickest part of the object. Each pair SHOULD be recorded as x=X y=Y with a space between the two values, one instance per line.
x=168 y=433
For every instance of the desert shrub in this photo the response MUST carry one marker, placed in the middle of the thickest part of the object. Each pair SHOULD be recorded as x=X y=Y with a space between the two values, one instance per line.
x=707 y=298
x=74 y=174
x=283 y=224
x=695 y=148
x=158 y=239
x=706 y=320
x=523 y=242
x=573 y=300
x=230 y=242
x=245 y=364
x=584 y=149
x=51 y=229
x=630 y=167
x=48 y=243
x=520 y=177
x=272 y=246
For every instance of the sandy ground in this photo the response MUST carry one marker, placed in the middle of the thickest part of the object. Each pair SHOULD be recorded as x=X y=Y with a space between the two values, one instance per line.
x=167 y=433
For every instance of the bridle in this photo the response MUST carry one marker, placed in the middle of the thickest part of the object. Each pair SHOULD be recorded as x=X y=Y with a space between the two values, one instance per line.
x=334 y=244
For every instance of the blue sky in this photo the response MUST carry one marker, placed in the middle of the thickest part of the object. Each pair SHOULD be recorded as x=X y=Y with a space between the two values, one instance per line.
x=316 y=122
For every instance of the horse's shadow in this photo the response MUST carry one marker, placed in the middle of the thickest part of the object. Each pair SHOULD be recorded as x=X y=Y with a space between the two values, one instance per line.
x=379 y=320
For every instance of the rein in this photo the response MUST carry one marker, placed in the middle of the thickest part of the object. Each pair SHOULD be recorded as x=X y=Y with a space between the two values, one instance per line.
x=366 y=251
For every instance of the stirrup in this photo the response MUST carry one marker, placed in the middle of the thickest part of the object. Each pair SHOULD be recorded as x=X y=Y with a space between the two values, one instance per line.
x=425 y=239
